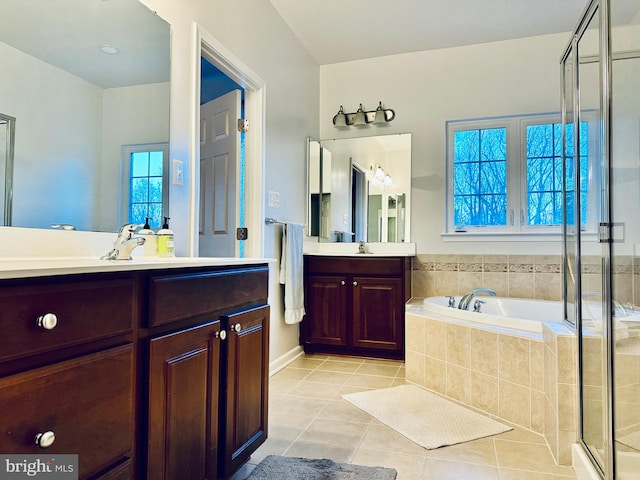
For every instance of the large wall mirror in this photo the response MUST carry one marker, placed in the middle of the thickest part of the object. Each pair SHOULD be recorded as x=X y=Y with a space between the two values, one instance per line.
x=359 y=189
x=82 y=79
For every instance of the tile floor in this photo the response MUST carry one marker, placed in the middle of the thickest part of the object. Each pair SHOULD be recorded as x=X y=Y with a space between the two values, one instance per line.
x=308 y=418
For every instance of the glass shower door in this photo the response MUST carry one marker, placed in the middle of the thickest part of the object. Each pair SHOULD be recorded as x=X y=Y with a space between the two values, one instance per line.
x=593 y=257
x=601 y=72
x=625 y=249
x=585 y=258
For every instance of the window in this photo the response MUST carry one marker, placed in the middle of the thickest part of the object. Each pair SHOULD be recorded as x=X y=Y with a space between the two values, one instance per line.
x=480 y=177
x=145 y=183
x=505 y=175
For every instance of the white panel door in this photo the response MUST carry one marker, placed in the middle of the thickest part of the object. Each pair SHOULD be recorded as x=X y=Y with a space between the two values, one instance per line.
x=219 y=159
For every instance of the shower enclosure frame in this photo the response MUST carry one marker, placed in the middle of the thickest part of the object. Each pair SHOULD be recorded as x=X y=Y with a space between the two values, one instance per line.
x=605 y=462
x=572 y=234
x=10 y=131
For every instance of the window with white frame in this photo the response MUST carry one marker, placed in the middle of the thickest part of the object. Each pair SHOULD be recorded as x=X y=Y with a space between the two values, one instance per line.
x=504 y=175
x=144 y=182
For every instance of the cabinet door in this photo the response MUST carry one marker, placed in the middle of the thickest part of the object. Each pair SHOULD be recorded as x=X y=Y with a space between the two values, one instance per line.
x=183 y=404
x=325 y=321
x=378 y=320
x=87 y=403
x=243 y=416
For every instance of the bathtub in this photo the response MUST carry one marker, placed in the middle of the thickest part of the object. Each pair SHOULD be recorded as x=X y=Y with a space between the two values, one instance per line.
x=514 y=314
x=514 y=360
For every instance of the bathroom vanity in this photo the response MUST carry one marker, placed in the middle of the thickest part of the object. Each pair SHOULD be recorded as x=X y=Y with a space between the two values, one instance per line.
x=355 y=304
x=145 y=369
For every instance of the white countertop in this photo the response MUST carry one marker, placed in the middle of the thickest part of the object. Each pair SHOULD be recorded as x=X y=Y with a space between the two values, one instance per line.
x=374 y=249
x=358 y=255
x=48 y=266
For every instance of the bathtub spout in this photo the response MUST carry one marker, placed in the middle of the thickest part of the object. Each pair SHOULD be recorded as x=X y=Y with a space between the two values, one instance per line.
x=466 y=299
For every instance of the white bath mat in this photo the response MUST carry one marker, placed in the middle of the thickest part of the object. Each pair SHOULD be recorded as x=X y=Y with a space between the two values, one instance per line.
x=423 y=417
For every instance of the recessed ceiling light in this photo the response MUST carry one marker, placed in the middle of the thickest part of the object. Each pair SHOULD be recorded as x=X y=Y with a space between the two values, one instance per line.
x=109 y=50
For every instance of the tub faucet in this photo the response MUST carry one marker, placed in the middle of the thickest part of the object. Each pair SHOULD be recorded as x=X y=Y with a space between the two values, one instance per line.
x=125 y=243
x=466 y=299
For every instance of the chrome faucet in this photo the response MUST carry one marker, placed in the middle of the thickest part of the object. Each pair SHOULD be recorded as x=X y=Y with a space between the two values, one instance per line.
x=63 y=226
x=468 y=297
x=125 y=243
x=362 y=247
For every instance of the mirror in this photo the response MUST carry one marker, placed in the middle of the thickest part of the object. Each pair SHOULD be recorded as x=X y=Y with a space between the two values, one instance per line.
x=364 y=194
x=83 y=79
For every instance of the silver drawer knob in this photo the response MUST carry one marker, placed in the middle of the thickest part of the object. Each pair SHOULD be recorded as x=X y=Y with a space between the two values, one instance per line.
x=48 y=321
x=355 y=284
x=46 y=439
x=222 y=334
x=236 y=328
x=342 y=282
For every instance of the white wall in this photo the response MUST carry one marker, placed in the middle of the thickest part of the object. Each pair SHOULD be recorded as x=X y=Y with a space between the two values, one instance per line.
x=57 y=141
x=254 y=33
x=131 y=115
x=428 y=88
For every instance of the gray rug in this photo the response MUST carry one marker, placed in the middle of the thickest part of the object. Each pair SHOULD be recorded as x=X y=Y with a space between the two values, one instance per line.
x=275 y=467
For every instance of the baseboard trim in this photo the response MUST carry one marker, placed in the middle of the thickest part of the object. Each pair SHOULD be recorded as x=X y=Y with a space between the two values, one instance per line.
x=283 y=360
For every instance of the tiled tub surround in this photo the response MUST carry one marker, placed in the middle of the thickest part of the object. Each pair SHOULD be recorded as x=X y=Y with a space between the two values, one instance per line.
x=561 y=394
x=524 y=276
x=526 y=379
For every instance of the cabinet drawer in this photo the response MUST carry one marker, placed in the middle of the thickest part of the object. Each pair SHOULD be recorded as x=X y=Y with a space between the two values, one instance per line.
x=85 y=310
x=354 y=265
x=177 y=297
x=86 y=402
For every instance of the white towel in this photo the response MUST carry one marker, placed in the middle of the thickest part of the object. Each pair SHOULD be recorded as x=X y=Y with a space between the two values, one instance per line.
x=291 y=266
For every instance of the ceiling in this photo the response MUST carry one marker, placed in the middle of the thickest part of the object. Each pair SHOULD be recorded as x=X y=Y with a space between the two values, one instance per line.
x=69 y=34
x=336 y=31
x=332 y=31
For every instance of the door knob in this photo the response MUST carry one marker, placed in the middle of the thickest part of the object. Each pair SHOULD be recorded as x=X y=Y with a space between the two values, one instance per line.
x=48 y=321
x=236 y=328
x=355 y=284
x=342 y=282
x=46 y=439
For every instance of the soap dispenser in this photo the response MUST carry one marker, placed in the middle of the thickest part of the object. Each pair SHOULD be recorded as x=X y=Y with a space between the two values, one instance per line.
x=150 y=248
x=165 y=240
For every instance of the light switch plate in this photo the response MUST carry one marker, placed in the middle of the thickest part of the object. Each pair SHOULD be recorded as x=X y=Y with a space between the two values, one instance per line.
x=274 y=199
x=177 y=172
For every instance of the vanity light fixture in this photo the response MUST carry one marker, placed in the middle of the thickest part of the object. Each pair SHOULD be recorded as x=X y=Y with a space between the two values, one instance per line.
x=378 y=176
x=361 y=118
x=340 y=120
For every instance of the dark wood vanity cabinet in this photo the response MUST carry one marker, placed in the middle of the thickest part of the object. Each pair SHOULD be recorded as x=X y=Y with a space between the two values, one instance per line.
x=355 y=305
x=325 y=322
x=208 y=381
x=145 y=375
x=208 y=397
x=67 y=380
x=244 y=386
